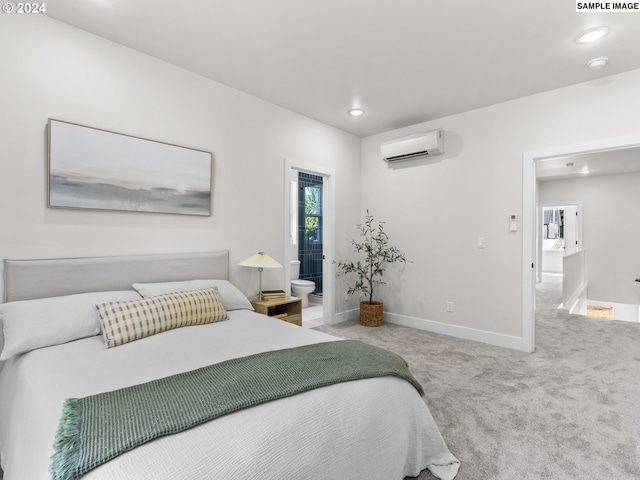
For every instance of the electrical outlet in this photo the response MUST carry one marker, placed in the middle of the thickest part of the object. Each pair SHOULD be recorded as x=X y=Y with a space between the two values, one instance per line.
x=449 y=307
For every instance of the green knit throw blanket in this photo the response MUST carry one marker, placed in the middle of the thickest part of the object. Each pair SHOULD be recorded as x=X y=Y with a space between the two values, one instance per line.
x=98 y=428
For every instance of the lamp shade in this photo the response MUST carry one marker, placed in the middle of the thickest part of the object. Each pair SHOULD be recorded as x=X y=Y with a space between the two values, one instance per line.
x=260 y=260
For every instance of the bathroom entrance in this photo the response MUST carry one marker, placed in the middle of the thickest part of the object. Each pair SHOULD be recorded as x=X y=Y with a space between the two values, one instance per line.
x=309 y=239
x=309 y=233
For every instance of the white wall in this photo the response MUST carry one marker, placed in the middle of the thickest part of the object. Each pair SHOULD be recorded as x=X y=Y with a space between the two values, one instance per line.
x=437 y=208
x=611 y=230
x=434 y=209
x=50 y=69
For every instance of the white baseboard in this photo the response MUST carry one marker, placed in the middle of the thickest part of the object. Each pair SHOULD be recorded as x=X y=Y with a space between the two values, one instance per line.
x=491 y=338
x=573 y=300
x=345 y=316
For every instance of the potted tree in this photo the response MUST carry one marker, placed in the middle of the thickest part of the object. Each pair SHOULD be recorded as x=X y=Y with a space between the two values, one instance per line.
x=375 y=255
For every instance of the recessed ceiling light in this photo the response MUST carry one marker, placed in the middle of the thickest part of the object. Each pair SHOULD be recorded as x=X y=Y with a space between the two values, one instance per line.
x=592 y=35
x=597 y=63
x=356 y=112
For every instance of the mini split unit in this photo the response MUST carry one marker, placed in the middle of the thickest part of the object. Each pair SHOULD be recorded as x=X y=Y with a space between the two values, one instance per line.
x=413 y=146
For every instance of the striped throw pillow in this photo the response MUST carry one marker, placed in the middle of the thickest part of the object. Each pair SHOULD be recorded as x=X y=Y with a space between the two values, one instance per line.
x=126 y=321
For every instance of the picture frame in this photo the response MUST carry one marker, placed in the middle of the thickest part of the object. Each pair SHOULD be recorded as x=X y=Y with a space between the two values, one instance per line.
x=91 y=168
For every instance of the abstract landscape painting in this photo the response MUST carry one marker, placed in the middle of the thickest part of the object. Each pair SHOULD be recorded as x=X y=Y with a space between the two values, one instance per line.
x=98 y=169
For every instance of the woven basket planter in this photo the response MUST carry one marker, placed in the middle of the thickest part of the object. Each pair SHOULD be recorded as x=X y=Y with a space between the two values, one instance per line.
x=371 y=314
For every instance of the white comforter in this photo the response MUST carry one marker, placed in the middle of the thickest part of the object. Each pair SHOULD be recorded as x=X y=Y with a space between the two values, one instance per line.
x=369 y=429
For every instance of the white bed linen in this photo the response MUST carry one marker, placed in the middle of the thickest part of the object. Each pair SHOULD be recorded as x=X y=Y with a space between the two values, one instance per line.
x=369 y=429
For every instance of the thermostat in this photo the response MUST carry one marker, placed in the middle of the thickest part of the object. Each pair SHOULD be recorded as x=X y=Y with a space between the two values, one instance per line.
x=513 y=222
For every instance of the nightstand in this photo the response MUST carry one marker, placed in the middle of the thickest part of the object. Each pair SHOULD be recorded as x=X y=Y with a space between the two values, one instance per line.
x=288 y=309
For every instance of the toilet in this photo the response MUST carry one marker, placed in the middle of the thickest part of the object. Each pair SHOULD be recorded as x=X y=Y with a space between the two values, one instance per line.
x=300 y=288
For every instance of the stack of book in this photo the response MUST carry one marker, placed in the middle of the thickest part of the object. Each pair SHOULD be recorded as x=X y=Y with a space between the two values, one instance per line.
x=267 y=294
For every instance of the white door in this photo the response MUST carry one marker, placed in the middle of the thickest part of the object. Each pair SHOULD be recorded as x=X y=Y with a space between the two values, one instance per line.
x=571 y=230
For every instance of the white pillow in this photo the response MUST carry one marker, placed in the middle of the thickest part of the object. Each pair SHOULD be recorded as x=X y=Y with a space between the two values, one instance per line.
x=232 y=298
x=31 y=324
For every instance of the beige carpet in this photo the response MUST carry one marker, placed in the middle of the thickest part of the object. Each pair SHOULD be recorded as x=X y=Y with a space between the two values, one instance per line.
x=571 y=410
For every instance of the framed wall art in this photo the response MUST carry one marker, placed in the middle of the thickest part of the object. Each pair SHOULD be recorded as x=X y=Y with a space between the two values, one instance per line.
x=90 y=168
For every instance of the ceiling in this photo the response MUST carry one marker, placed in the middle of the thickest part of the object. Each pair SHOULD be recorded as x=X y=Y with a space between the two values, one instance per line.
x=403 y=62
x=612 y=162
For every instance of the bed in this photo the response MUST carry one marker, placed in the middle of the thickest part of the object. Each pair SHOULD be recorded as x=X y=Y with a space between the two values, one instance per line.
x=372 y=428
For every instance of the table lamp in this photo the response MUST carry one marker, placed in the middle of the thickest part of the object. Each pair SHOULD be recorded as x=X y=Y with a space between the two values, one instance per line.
x=260 y=261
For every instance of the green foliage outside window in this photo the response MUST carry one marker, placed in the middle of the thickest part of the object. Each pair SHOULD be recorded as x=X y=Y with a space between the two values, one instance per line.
x=312 y=211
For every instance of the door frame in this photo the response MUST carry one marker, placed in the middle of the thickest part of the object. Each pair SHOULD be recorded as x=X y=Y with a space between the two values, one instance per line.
x=529 y=230
x=328 y=229
x=539 y=219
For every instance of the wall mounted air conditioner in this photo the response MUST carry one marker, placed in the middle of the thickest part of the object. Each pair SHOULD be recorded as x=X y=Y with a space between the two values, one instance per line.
x=412 y=146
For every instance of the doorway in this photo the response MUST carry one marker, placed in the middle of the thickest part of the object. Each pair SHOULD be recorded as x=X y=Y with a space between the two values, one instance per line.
x=308 y=235
x=559 y=235
x=530 y=162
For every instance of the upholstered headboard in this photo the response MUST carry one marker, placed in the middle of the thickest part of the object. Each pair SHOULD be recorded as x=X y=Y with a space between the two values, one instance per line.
x=29 y=279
